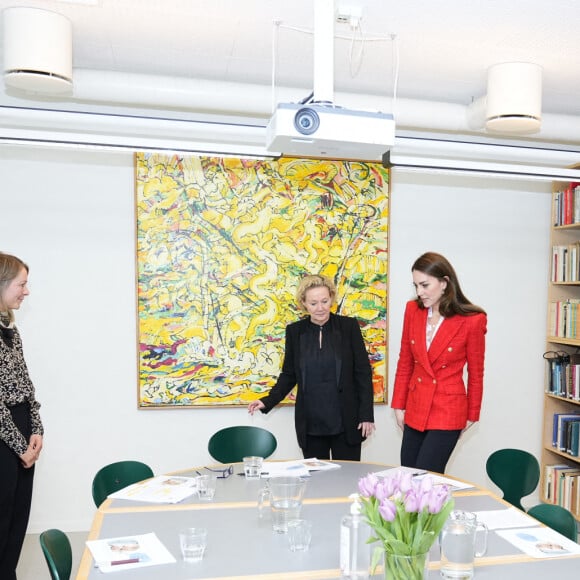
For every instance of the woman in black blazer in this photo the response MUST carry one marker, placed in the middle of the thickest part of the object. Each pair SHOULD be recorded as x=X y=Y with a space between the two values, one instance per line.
x=326 y=357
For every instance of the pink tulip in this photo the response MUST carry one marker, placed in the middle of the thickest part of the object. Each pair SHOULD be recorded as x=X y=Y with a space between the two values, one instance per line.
x=368 y=485
x=388 y=510
x=412 y=501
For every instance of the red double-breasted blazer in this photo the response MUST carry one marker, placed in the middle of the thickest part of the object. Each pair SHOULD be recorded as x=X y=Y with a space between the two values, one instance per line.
x=429 y=384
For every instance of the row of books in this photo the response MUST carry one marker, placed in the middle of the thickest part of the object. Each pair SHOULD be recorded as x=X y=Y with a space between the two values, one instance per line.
x=566 y=263
x=562 y=486
x=566 y=433
x=563 y=318
x=563 y=378
x=567 y=205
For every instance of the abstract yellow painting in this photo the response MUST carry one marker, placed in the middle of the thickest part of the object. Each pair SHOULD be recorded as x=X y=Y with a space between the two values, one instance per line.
x=221 y=246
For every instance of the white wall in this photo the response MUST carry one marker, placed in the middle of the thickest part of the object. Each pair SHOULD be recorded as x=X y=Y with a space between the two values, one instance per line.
x=71 y=217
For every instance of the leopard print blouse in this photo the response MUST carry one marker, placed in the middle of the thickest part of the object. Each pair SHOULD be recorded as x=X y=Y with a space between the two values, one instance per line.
x=15 y=387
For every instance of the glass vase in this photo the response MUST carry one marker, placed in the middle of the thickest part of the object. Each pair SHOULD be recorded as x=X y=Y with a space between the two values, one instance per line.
x=398 y=567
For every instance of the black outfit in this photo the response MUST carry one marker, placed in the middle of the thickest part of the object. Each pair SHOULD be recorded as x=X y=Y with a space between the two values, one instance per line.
x=331 y=368
x=19 y=419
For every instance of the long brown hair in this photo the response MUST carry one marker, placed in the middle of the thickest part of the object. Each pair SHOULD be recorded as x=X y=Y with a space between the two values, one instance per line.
x=453 y=300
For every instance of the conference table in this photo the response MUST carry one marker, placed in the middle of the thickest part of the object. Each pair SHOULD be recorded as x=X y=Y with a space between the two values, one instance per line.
x=241 y=545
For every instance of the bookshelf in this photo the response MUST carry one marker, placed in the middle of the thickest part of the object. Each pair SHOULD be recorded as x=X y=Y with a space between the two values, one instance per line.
x=560 y=460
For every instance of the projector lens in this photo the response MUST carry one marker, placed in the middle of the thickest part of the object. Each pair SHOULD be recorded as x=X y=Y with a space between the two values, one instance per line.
x=306 y=121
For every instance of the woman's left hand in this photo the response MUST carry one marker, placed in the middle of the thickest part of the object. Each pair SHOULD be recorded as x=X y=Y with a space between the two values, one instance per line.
x=366 y=428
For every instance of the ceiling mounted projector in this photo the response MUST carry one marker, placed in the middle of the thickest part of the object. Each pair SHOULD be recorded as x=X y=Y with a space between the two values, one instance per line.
x=326 y=131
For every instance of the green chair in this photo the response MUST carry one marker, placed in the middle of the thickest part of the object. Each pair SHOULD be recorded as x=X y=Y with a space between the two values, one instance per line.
x=515 y=472
x=116 y=476
x=232 y=444
x=557 y=518
x=57 y=552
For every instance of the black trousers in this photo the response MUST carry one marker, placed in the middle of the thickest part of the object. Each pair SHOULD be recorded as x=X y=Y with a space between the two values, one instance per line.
x=429 y=450
x=322 y=446
x=15 y=497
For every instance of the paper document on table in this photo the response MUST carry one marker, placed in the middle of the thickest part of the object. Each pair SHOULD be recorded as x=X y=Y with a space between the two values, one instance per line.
x=123 y=553
x=160 y=489
x=540 y=542
x=454 y=483
x=402 y=469
x=419 y=473
x=505 y=518
x=314 y=464
x=298 y=468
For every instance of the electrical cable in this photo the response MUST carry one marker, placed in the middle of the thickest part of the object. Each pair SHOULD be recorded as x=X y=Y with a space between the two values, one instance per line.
x=395 y=65
x=356 y=26
x=275 y=35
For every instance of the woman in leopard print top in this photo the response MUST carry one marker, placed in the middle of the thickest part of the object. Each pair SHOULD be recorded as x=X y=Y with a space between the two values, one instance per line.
x=20 y=425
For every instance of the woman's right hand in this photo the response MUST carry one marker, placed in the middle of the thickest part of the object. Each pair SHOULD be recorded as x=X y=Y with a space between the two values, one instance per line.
x=400 y=418
x=255 y=406
x=29 y=457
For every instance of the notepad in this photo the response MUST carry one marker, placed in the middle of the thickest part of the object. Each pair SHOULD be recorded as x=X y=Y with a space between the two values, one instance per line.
x=126 y=552
x=160 y=489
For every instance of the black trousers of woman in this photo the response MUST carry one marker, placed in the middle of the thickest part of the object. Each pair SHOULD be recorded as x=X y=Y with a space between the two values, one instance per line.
x=322 y=446
x=15 y=497
x=428 y=450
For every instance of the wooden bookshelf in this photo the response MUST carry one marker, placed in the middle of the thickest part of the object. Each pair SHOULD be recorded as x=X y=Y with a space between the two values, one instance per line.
x=563 y=333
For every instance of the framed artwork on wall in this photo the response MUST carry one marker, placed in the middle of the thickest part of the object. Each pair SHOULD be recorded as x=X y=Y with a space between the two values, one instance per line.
x=222 y=244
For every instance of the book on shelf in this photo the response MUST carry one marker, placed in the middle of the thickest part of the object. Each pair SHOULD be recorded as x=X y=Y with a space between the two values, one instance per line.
x=566 y=485
x=566 y=205
x=557 y=488
x=563 y=374
x=557 y=426
x=565 y=431
x=549 y=478
x=574 y=439
x=563 y=318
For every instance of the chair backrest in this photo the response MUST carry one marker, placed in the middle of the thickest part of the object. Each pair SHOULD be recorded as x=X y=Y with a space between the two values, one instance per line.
x=557 y=518
x=232 y=444
x=57 y=553
x=515 y=472
x=116 y=476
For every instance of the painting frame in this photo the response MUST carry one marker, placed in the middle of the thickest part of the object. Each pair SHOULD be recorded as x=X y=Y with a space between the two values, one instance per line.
x=221 y=246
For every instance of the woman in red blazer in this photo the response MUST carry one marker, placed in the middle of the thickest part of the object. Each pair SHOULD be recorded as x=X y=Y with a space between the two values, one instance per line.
x=442 y=332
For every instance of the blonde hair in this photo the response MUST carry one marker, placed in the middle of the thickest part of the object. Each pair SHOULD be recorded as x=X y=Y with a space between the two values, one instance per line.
x=313 y=281
x=10 y=267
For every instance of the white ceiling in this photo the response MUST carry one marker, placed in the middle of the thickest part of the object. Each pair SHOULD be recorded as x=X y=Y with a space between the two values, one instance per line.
x=445 y=48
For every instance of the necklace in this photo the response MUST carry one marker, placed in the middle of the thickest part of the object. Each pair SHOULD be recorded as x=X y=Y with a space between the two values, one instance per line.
x=432 y=326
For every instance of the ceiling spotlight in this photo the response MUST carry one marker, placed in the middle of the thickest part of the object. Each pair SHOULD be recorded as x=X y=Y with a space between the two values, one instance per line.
x=37 y=51
x=514 y=98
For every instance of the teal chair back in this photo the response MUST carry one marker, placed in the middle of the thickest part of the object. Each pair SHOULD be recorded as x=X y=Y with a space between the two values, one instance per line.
x=57 y=553
x=515 y=472
x=557 y=518
x=116 y=476
x=232 y=444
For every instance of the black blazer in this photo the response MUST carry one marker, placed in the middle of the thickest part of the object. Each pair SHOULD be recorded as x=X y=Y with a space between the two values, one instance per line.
x=353 y=372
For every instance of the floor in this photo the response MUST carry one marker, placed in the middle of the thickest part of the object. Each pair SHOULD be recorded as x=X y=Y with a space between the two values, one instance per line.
x=32 y=565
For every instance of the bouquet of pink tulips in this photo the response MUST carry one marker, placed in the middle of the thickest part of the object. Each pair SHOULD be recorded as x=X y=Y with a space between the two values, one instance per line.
x=406 y=513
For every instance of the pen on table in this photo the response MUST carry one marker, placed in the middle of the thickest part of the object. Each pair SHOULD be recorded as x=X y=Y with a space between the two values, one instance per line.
x=117 y=562
x=126 y=561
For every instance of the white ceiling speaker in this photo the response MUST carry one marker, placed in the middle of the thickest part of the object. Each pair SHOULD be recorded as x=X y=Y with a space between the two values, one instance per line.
x=37 y=51
x=514 y=98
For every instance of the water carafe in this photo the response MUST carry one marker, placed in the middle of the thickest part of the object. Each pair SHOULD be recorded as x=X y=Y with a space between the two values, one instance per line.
x=285 y=495
x=459 y=539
